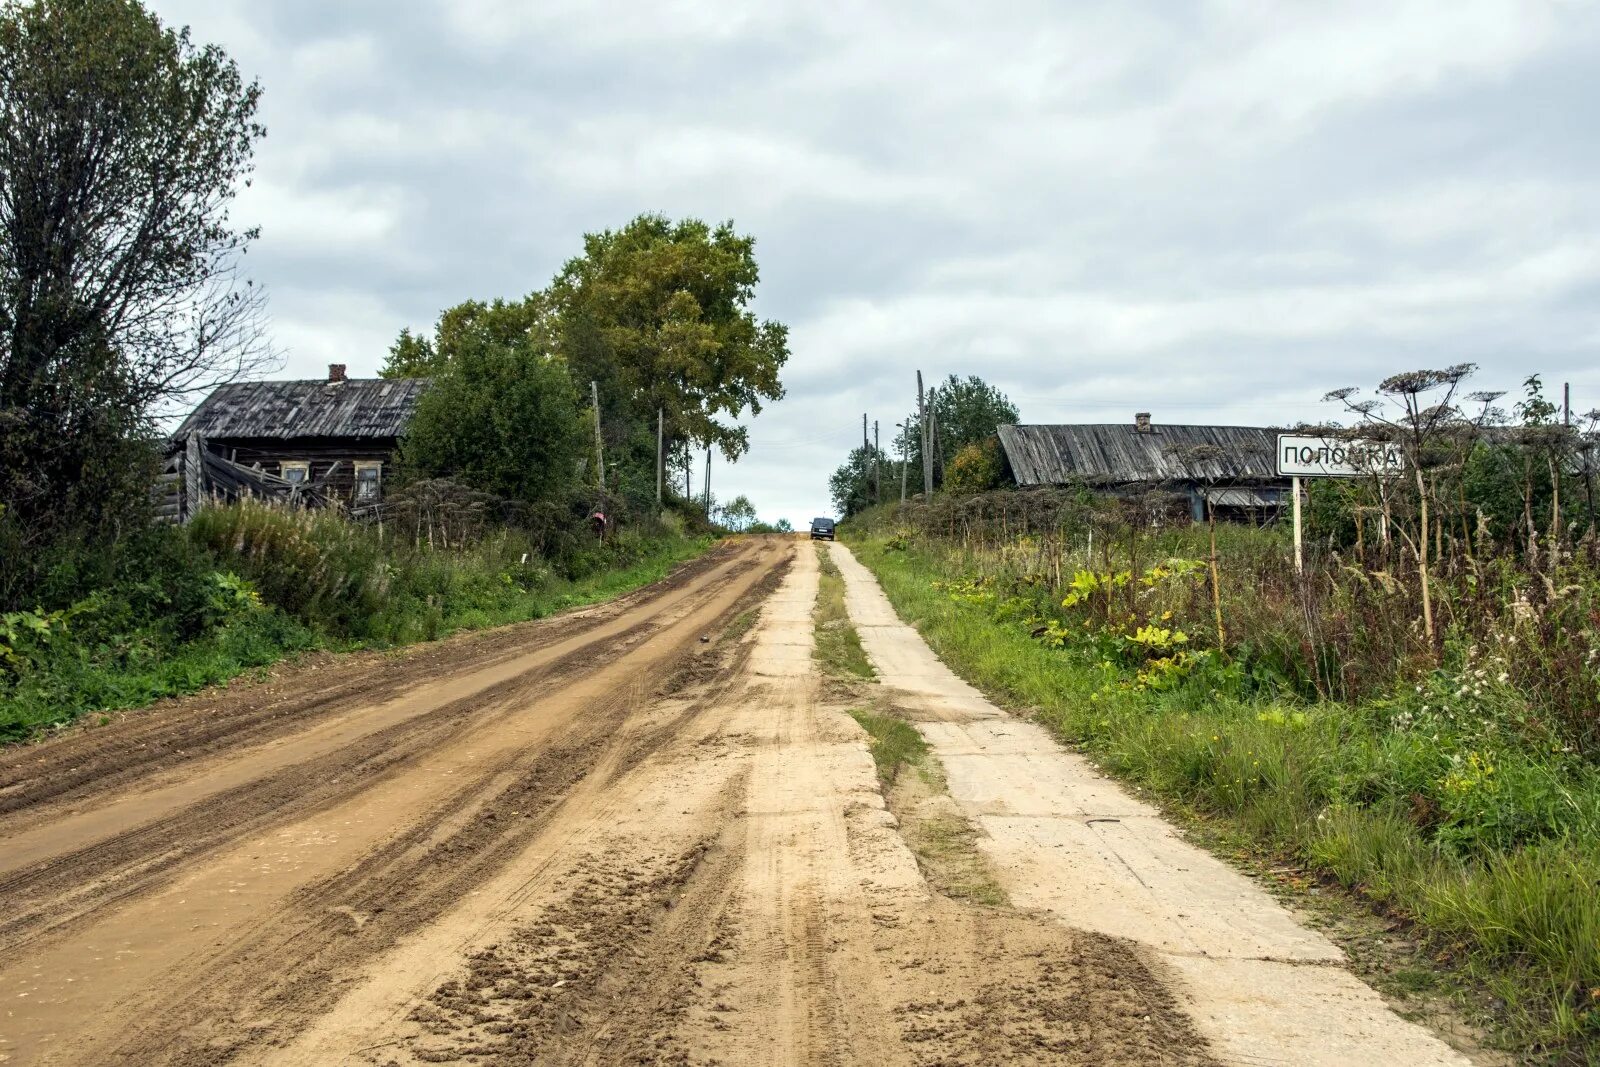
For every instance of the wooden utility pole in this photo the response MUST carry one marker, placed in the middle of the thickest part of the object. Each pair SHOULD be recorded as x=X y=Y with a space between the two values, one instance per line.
x=933 y=442
x=877 y=475
x=599 y=453
x=866 y=456
x=661 y=456
x=903 y=458
x=927 y=456
x=708 y=481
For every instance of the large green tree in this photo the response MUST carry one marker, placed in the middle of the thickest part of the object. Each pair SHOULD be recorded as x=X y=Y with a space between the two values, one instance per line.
x=122 y=144
x=507 y=322
x=966 y=412
x=658 y=313
x=499 y=417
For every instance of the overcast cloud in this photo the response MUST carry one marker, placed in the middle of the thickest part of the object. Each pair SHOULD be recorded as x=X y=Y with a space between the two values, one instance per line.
x=1212 y=211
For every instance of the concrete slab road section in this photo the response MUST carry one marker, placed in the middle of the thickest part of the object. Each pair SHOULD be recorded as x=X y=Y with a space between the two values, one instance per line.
x=1066 y=840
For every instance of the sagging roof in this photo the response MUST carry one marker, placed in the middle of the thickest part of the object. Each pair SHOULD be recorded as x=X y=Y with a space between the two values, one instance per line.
x=347 y=407
x=1122 y=454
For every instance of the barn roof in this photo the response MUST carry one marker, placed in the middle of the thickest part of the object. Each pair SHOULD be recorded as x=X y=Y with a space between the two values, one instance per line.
x=1120 y=454
x=351 y=407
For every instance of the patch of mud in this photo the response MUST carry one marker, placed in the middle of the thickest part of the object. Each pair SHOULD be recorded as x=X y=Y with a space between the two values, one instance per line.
x=997 y=987
x=602 y=974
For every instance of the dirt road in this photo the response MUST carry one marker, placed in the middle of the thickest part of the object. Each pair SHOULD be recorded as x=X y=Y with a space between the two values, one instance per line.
x=640 y=833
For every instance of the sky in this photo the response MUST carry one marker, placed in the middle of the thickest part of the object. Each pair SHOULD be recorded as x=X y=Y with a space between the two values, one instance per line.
x=1212 y=211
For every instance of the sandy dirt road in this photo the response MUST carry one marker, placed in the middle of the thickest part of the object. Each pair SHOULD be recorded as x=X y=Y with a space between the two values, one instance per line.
x=642 y=833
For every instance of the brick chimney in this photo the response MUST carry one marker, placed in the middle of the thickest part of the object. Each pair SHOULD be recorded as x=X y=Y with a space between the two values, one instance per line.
x=1141 y=421
x=336 y=372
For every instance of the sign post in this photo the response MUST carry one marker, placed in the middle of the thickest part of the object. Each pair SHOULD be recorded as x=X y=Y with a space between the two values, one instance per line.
x=1299 y=550
x=1312 y=456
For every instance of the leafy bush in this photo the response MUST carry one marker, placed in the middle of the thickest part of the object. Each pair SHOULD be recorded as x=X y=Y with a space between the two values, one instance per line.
x=976 y=468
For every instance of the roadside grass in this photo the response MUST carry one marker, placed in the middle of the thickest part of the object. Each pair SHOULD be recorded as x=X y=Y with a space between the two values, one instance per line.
x=102 y=666
x=838 y=646
x=1325 y=783
x=895 y=744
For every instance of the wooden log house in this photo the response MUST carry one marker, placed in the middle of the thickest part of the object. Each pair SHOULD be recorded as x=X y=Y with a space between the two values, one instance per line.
x=318 y=442
x=1232 y=466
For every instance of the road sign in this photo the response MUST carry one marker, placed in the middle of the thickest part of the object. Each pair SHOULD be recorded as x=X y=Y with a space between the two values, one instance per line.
x=1312 y=456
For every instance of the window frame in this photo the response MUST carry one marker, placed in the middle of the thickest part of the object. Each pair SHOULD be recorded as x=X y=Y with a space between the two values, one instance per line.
x=376 y=467
x=302 y=465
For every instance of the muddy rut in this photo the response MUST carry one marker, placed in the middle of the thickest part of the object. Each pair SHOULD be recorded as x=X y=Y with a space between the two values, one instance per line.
x=637 y=834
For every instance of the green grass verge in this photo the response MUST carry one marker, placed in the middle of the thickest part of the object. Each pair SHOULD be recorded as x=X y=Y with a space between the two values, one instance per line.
x=135 y=669
x=838 y=646
x=1323 y=783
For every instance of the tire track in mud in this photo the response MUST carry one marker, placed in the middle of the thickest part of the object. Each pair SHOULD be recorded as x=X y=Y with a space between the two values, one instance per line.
x=91 y=760
x=289 y=961
x=53 y=894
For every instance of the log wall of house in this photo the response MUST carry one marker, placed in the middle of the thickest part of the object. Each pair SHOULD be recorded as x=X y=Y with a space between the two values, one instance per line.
x=336 y=455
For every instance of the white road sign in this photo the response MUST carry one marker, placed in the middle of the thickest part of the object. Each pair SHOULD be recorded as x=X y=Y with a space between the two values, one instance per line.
x=1310 y=456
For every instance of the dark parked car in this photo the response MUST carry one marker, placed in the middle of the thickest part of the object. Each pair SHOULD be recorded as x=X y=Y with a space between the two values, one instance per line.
x=822 y=529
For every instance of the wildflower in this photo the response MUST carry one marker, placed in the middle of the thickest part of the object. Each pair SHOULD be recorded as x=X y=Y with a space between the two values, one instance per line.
x=1504 y=678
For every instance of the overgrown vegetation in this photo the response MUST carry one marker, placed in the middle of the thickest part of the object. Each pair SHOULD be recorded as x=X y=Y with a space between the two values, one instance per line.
x=838 y=646
x=244 y=585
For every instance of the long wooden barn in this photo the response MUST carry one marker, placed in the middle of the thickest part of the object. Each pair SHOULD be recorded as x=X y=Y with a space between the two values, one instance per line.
x=1232 y=466
x=317 y=442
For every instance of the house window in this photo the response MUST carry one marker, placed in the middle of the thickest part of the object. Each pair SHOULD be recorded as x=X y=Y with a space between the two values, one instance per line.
x=297 y=472
x=369 y=480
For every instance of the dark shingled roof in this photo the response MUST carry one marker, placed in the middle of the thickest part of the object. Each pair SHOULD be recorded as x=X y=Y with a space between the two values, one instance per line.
x=1118 y=454
x=353 y=407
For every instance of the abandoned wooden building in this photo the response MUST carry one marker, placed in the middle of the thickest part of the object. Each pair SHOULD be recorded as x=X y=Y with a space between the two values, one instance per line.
x=1232 y=466
x=318 y=442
